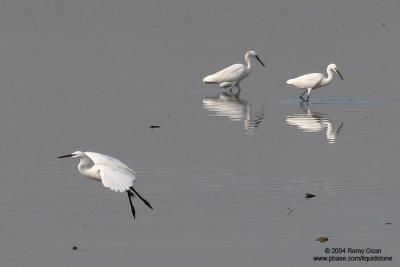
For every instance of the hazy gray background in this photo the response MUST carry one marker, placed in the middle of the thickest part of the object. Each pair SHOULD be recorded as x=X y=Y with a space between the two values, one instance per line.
x=94 y=74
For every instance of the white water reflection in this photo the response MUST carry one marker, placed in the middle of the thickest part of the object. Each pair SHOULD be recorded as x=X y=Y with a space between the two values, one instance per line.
x=314 y=122
x=234 y=108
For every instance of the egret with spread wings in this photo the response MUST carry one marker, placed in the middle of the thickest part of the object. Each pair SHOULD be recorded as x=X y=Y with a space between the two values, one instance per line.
x=231 y=76
x=312 y=81
x=112 y=172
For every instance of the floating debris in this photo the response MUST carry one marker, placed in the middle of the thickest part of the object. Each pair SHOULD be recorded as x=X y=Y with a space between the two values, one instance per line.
x=308 y=195
x=74 y=248
x=154 y=126
x=322 y=239
x=388 y=223
x=290 y=210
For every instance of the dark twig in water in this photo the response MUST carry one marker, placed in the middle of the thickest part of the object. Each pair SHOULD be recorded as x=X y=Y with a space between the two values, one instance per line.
x=308 y=195
x=290 y=211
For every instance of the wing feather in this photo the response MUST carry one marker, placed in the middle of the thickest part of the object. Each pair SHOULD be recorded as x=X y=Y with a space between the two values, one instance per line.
x=98 y=158
x=229 y=74
x=306 y=81
x=117 y=179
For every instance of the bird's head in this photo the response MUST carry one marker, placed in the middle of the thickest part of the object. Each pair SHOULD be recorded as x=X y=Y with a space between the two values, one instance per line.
x=254 y=54
x=333 y=67
x=76 y=154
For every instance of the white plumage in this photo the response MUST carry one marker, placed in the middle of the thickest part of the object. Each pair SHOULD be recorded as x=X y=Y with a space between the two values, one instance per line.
x=313 y=81
x=117 y=179
x=232 y=76
x=112 y=172
x=306 y=81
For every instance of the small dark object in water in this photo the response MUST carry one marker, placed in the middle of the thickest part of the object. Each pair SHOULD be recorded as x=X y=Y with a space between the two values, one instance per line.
x=290 y=210
x=388 y=223
x=322 y=239
x=308 y=195
x=383 y=25
x=343 y=25
x=74 y=248
x=154 y=126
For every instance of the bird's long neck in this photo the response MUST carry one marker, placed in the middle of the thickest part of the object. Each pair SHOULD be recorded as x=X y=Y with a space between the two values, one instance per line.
x=248 y=61
x=84 y=166
x=329 y=78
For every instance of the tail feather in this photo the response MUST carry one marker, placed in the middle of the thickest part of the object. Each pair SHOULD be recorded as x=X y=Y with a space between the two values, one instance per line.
x=209 y=79
x=289 y=81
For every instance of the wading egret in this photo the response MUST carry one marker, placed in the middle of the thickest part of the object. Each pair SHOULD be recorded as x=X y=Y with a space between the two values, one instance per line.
x=112 y=172
x=231 y=76
x=311 y=81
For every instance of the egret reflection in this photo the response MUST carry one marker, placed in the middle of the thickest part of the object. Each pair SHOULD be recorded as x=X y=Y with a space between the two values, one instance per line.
x=314 y=122
x=234 y=108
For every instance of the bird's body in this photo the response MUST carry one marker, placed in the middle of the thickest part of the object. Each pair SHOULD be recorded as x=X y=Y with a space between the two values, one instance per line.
x=312 y=81
x=232 y=76
x=112 y=172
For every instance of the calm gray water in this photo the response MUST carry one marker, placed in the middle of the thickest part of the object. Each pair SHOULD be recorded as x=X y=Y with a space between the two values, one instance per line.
x=222 y=170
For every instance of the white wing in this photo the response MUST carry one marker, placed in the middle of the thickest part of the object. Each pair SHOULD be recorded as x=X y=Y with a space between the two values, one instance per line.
x=229 y=74
x=306 y=81
x=226 y=84
x=98 y=158
x=117 y=179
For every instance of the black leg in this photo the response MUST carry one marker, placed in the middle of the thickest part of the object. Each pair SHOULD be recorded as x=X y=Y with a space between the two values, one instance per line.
x=302 y=94
x=144 y=200
x=233 y=86
x=130 y=195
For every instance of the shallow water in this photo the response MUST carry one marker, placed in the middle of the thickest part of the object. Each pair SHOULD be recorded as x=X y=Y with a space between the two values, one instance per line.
x=222 y=170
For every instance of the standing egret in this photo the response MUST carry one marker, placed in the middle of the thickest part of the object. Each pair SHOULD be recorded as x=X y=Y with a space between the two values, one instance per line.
x=112 y=172
x=231 y=76
x=312 y=81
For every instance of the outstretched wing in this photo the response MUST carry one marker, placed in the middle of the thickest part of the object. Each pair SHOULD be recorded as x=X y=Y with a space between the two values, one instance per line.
x=229 y=74
x=306 y=81
x=117 y=179
x=98 y=158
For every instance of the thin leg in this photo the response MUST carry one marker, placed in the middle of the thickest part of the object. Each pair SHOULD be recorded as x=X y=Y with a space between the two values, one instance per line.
x=144 y=200
x=238 y=92
x=130 y=195
x=302 y=94
x=308 y=94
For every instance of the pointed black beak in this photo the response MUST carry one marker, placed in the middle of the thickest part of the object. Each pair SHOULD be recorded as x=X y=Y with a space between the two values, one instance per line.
x=340 y=75
x=65 y=156
x=259 y=60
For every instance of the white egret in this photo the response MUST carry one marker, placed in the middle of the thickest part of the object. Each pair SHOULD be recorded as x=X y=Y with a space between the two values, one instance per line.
x=311 y=81
x=112 y=172
x=231 y=76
